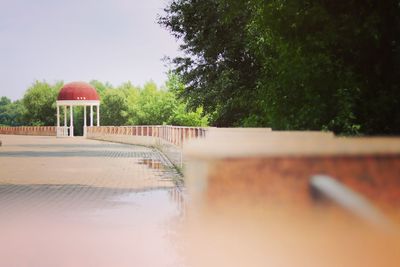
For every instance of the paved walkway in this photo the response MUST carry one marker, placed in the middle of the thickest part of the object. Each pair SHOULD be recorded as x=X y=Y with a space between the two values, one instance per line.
x=79 y=202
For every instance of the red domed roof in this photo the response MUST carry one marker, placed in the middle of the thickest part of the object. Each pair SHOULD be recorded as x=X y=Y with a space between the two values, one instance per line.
x=78 y=91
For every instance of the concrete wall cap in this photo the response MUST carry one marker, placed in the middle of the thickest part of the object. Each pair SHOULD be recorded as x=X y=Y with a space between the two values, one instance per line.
x=287 y=145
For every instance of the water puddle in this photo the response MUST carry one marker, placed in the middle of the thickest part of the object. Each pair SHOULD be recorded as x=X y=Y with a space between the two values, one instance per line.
x=151 y=207
x=103 y=227
x=153 y=164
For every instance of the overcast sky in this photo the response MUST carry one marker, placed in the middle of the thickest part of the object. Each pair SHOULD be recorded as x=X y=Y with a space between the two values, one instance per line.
x=81 y=40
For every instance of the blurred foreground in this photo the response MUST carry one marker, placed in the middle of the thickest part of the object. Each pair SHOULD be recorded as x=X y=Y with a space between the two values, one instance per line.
x=254 y=197
x=262 y=198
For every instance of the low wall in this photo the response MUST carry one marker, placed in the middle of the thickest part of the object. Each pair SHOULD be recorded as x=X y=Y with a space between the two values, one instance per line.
x=168 y=139
x=277 y=167
x=171 y=139
x=29 y=130
x=249 y=191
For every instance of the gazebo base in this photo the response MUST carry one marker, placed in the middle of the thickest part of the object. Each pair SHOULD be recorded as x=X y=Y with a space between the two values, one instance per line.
x=63 y=131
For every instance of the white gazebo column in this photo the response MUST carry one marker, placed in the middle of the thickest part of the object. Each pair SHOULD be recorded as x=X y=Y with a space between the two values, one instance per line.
x=71 y=121
x=91 y=115
x=98 y=115
x=65 y=129
x=58 y=116
x=65 y=116
x=58 y=120
x=84 y=120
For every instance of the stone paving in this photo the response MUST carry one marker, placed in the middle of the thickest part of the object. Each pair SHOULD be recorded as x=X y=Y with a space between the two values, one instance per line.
x=79 y=202
x=48 y=160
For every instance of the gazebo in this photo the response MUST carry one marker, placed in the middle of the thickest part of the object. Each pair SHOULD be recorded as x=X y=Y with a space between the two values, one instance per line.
x=76 y=94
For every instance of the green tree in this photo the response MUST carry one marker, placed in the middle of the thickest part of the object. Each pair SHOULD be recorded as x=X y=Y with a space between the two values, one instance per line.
x=219 y=73
x=100 y=87
x=39 y=102
x=15 y=111
x=182 y=117
x=154 y=106
x=291 y=64
x=4 y=116
x=181 y=113
x=114 y=108
x=132 y=94
x=11 y=113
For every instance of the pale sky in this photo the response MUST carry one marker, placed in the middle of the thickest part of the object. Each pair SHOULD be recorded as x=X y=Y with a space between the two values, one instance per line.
x=81 y=40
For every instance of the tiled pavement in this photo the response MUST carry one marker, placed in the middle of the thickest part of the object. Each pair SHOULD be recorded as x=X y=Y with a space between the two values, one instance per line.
x=78 y=202
x=49 y=160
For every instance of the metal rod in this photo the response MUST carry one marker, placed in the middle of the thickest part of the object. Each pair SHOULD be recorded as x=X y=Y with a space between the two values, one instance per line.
x=325 y=187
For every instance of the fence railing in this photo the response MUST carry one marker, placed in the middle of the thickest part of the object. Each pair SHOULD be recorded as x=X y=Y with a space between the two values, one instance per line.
x=176 y=135
x=63 y=131
x=29 y=130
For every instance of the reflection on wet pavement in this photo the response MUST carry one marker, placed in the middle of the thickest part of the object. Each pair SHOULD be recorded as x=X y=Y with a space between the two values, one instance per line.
x=95 y=226
x=87 y=203
x=154 y=164
x=88 y=199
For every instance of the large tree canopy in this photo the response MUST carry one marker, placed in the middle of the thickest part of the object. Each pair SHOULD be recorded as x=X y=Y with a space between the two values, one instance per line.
x=291 y=64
